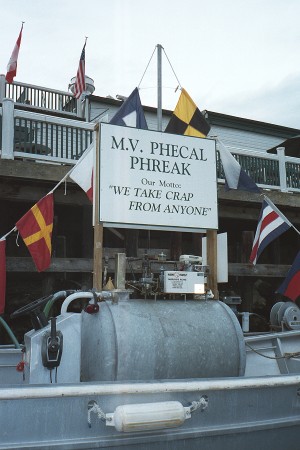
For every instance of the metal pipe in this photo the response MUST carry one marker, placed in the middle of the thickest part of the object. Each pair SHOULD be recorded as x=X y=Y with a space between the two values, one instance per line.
x=66 y=303
x=267 y=335
x=88 y=389
x=72 y=297
x=56 y=296
x=120 y=270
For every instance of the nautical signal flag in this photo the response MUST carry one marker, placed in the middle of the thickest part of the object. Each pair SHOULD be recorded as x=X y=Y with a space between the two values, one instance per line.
x=82 y=173
x=271 y=224
x=235 y=176
x=187 y=118
x=79 y=87
x=131 y=113
x=13 y=61
x=2 y=275
x=35 y=227
x=291 y=286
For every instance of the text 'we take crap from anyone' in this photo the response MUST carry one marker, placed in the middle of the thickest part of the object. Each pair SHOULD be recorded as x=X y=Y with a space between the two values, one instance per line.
x=151 y=170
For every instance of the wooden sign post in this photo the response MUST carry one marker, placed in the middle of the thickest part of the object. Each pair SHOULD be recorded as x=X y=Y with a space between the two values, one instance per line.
x=211 y=245
x=98 y=227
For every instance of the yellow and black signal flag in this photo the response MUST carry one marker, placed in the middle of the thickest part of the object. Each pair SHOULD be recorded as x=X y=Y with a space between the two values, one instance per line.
x=187 y=118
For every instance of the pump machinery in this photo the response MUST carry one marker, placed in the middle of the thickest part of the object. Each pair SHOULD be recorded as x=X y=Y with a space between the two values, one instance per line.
x=161 y=326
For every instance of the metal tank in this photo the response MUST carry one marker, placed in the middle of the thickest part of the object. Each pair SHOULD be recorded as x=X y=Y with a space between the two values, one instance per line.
x=151 y=340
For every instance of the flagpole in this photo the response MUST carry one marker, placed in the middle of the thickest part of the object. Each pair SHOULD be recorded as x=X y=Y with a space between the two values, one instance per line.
x=69 y=173
x=159 y=88
x=7 y=234
x=63 y=179
x=280 y=213
x=296 y=229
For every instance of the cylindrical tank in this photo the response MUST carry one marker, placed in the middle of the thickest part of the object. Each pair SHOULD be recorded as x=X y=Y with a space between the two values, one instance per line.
x=151 y=340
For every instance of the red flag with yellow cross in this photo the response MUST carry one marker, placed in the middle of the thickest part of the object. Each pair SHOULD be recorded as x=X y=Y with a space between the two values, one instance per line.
x=35 y=227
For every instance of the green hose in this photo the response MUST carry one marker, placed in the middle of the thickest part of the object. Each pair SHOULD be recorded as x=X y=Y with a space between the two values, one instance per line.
x=48 y=307
x=10 y=333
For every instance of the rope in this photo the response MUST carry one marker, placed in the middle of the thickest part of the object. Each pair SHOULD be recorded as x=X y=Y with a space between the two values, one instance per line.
x=55 y=375
x=95 y=408
x=179 y=84
x=285 y=356
x=146 y=67
x=17 y=238
x=201 y=404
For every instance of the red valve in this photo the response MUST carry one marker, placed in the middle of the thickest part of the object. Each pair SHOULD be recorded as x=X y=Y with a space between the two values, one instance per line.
x=92 y=308
x=20 y=366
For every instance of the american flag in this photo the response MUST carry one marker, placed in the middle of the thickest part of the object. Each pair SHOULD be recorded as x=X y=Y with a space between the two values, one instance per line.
x=80 y=77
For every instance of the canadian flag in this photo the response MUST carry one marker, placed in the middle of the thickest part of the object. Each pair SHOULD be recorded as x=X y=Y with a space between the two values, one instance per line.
x=12 y=63
x=82 y=173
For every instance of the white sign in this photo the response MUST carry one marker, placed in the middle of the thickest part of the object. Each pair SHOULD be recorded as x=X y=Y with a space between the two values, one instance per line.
x=183 y=282
x=222 y=257
x=155 y=179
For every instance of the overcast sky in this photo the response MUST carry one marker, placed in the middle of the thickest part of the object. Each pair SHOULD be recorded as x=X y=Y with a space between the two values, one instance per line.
x=232 y=56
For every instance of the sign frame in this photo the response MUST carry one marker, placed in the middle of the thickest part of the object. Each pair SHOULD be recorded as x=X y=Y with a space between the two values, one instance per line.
x=156 y=180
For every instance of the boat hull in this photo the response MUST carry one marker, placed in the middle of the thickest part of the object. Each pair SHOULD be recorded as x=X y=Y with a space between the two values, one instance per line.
x=241 y=413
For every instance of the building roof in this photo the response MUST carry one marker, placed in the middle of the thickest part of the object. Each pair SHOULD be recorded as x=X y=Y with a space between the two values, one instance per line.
x=216 y=118
x=225 y=120
x=115 y=102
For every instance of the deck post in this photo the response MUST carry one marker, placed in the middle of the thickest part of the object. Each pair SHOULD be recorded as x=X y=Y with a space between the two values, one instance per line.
x=80 y=107
x=2 y=87
x=86 y=114
x=7 y=148
x=98 y=250
x=282 y=170
x=211 y=249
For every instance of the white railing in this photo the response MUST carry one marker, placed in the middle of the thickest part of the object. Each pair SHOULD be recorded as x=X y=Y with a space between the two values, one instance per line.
x=268 y=171
x=33 y=135
x=38 y=136
x=41 y=98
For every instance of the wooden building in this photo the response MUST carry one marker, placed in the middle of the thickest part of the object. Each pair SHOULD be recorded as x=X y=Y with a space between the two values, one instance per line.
x=43 y=132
